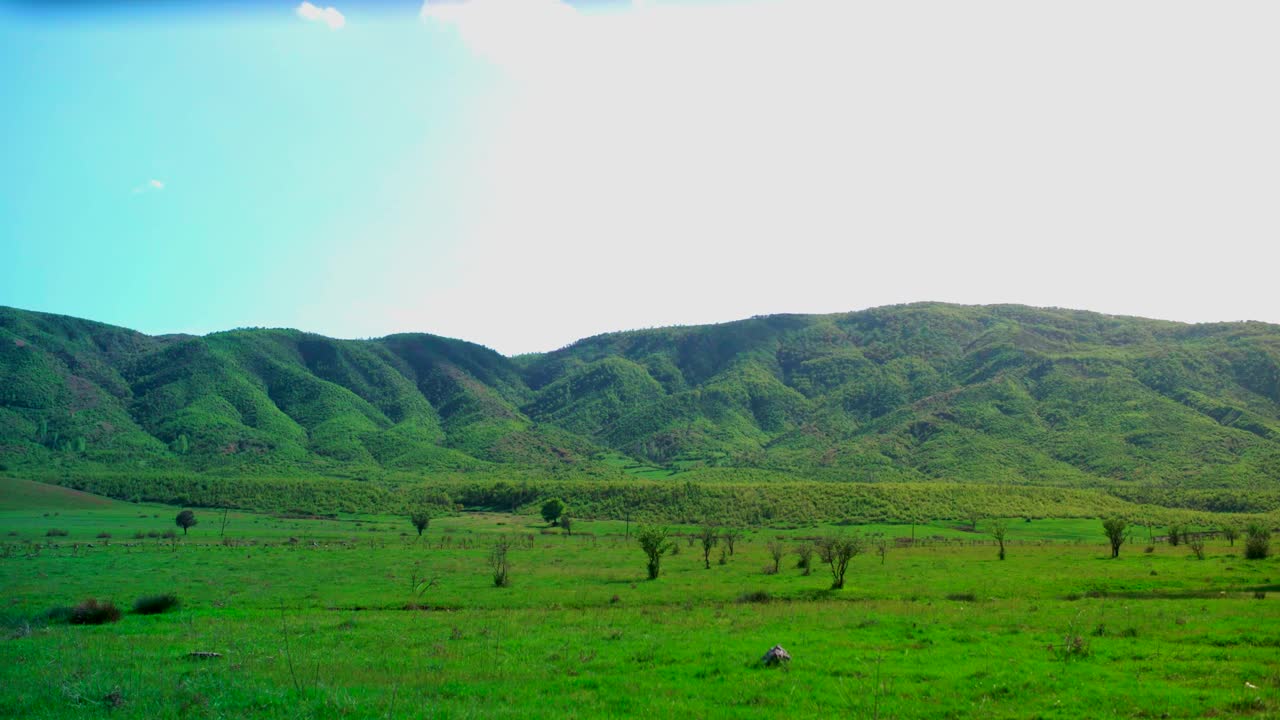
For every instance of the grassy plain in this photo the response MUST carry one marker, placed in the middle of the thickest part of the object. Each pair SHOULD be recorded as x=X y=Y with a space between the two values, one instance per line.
x=324 y=618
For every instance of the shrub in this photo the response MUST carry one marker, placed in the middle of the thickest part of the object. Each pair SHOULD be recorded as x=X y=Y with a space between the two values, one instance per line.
x=755 y=596
x=836 y=551
x=804 y=553
x=552 y=510
x=1257 y=543
x=963 y=597
x=94 y=612
x=155 y=604
x=653 y=540
x=1196 y=543
x=1073 y=647
x=56 y=532
x=60 y=614
x=104 y=536
x=420 y=520
x=498 y=561
x=186 y=520
x=776 y=551
x=1114 y=528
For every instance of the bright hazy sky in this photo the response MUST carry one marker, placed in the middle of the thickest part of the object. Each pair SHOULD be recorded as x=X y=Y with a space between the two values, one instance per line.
x=523 y=173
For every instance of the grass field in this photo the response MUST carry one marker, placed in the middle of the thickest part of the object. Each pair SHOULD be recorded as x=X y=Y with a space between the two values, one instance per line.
x=331 y=618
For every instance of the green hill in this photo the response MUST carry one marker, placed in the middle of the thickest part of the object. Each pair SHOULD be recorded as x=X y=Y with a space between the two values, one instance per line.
x=928 y=391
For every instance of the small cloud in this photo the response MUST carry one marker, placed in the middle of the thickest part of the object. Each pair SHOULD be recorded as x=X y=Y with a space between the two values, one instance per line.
x=152 y=185
x=329 y=16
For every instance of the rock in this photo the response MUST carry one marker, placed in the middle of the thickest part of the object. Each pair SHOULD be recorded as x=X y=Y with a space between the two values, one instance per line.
x=777 y=655
x=204 y=655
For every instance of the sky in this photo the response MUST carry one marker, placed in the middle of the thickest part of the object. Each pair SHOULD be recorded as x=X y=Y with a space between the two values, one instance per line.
x=525 y=173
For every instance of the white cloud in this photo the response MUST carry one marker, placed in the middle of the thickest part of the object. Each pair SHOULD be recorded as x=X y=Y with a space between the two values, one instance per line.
x=329 y=16
x=813 y=155
x=151 y=185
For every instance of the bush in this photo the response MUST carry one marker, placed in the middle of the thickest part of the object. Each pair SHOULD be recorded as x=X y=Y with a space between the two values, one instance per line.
x=94 y=612
x=756 y=596
x=963 y=597
x=60 y=614
x=155 y=604
x=104 y=536
x=1257 y=544
x=56 y=532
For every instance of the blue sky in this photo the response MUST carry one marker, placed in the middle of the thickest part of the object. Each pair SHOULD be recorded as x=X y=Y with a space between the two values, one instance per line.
x=522 y=173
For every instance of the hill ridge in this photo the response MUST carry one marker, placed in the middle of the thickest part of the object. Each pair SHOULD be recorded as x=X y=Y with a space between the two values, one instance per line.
x=909 y=392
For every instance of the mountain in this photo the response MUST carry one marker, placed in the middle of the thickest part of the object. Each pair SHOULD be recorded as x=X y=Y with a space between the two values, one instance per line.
x=925 y=391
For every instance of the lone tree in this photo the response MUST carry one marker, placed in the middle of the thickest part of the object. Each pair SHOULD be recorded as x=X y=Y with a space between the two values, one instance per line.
x=1115 y=528
x=776 y=551
x=709 y=536
x=998 y=529
x=566 y=524
x=881 y=544
x=731 y=537
x=836 y=551
x=805 y=552
x=1230 y=532
x=498 y=561
x=1257 y=542
x=420 y=520
x=552 y=510
x=654 y=542
x=186 y=520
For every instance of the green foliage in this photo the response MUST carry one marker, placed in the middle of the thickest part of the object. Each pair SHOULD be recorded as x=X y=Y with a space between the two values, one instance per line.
x=836 y=551
x=999 y=530
x=94 y=612
x=155 y=604
x=1257 y=543
x=653 y=541
x=420 y=520
x=1154 y=412
x=552 y=510
x=186 y=520
x=1115 y=530
x=499 y=563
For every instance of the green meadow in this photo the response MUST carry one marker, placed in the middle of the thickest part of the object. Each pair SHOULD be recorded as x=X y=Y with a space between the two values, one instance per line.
x=357 y=616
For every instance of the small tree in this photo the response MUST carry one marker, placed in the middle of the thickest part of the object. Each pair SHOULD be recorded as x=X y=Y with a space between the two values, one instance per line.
x=1257 y=541
x=1230 y=532
x=881 y=544
x=1175 y=534
x=498 y=561
x=731 y=537
x=1115 y=534
x=836 y=551
x=654 y=542
x=805 y=552
x=998 y=529
x=552 y=510
x=186 y=520
x=709 y=536
x=973 y=516
x=776 y=551
x=420 y=520
x=566 y=524
x=1196 y=543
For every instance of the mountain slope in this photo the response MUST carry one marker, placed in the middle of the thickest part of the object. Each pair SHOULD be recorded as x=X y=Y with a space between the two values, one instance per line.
x=924 y=391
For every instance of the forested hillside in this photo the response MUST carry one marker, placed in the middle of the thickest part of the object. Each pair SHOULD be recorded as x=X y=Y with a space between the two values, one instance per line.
x=1005 y=394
